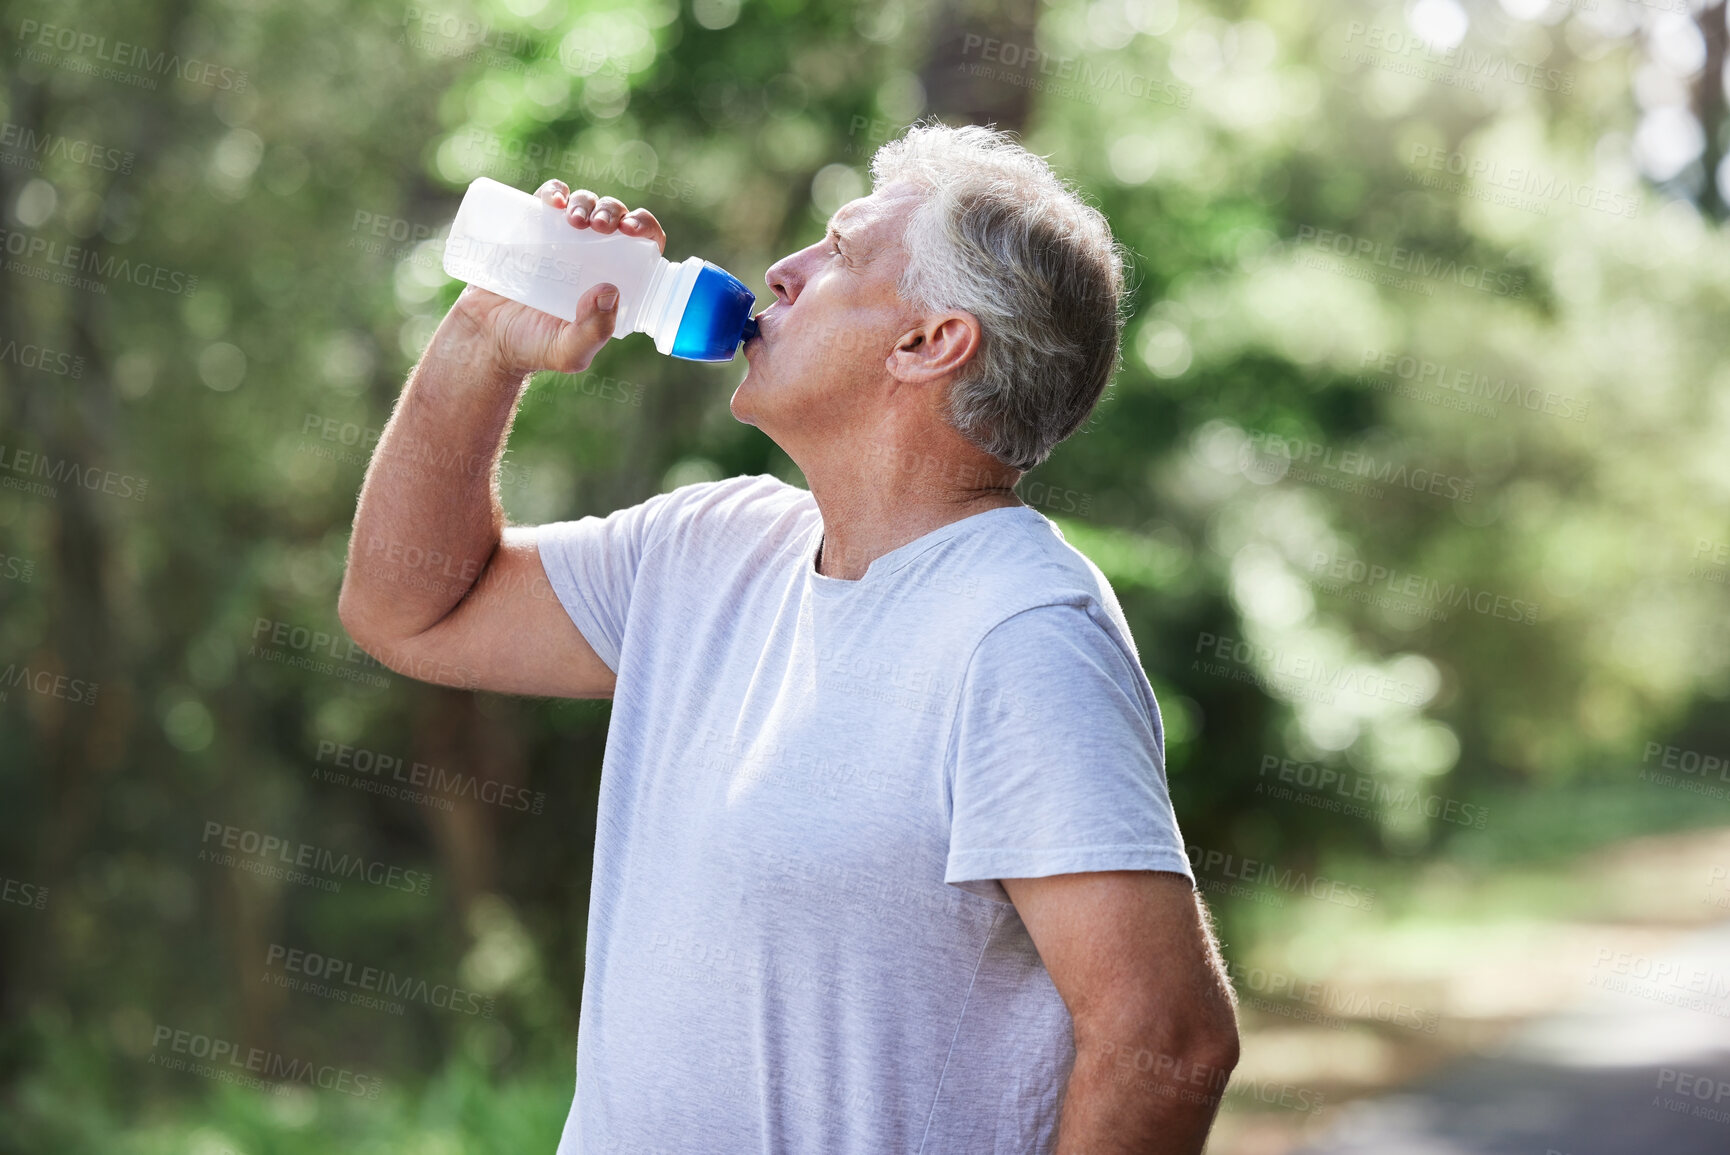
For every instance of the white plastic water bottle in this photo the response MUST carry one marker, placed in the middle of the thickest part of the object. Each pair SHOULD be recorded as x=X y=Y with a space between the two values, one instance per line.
x=521 y=247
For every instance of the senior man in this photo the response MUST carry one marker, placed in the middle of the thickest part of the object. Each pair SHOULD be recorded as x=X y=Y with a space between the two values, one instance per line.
x=884 y=859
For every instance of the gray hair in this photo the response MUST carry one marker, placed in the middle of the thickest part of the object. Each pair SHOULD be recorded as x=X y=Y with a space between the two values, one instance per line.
x=1001 y=236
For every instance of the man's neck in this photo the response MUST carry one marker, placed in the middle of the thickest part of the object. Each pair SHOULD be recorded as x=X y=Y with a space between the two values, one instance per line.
x=869 y=513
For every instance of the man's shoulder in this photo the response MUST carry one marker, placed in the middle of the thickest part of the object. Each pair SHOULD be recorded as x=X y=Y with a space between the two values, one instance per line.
x=1029 y=577
x=749 y=505
x=744 y=492
x=1027 y=562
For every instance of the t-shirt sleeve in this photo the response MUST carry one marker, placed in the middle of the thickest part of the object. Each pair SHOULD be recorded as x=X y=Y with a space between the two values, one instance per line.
x=1057 y=763
x=592 y=564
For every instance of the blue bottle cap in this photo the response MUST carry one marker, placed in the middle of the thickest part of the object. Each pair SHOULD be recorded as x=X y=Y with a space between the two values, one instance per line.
x=716 y=318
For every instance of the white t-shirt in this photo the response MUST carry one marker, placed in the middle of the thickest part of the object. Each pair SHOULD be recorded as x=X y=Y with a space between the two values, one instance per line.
x=797 y=943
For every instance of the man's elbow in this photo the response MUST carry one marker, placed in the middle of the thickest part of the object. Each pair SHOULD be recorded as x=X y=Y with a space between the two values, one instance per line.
x=1212 y=1027
x=1217 y=1044
x=363 y=631
x=351 y=611
x=1199 y=1038
x=364 y=618
x=1205 y=1040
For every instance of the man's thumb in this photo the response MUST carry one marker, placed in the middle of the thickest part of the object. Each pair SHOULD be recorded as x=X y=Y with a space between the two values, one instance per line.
x=607 y=299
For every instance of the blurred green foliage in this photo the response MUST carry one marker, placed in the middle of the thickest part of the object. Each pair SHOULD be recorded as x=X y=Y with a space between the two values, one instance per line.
x=299 y=160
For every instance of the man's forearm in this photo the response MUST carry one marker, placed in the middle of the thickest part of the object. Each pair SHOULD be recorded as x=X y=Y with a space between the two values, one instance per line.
x=1135 y=1095
x=429 y=516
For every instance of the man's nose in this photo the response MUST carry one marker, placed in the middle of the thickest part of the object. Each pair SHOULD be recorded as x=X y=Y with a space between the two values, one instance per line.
x=780 y=280
x=787 y=275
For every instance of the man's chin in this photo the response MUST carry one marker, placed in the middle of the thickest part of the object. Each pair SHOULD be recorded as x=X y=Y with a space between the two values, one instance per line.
x=740 y=405
x=758 y=397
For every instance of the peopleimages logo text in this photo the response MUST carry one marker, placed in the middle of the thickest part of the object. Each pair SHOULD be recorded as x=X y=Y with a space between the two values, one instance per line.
x=1225 y=865
x=37 y=36
x=1402 y=259
x=38 y=145
x=1462 y=58
x=30 y=463
x=28 y=247
x=306 y=856
x=254 y=1065
x=346 y=979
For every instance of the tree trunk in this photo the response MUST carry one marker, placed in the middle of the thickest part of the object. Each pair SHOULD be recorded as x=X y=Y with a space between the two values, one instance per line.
x=961 y=85
x=1709 y=108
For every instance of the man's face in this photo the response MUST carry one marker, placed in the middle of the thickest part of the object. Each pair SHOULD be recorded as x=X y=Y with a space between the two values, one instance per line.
x=817 y=369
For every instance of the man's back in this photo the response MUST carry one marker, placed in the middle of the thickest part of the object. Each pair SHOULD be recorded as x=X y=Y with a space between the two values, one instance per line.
x=796 y=939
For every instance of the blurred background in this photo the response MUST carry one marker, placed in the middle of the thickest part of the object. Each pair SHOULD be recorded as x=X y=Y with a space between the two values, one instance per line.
x=1414 y=484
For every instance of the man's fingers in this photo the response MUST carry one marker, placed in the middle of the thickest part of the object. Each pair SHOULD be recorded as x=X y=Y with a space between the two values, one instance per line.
x=578 y=342
x=554 y=192
x=607 y=214
x=642 y=223
x=580 y=205
x=609 y=211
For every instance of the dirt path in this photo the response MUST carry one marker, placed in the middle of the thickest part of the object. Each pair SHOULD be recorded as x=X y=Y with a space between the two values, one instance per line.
x=1607 y=1034
x=1641 y=1064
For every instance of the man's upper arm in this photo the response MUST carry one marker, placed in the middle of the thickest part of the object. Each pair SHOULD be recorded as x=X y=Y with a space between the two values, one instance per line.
x=510 y=634
x=1057 y=764
x=549 y=613
x=1128 y=950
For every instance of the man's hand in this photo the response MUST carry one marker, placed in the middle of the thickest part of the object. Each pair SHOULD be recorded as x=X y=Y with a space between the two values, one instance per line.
x=519 y=340
x=435 y=587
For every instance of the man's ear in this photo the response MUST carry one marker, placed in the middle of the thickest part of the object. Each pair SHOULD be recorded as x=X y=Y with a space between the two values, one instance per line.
x=939 y=348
